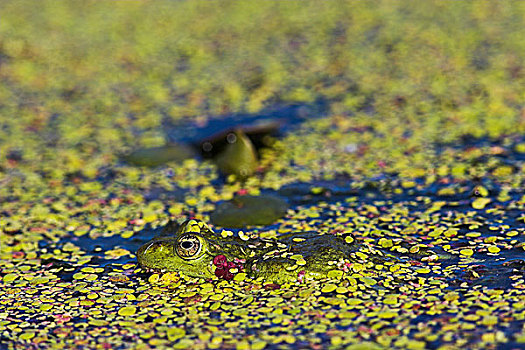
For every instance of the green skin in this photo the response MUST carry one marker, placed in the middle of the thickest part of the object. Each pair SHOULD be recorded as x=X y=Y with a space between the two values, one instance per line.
x=197 y=251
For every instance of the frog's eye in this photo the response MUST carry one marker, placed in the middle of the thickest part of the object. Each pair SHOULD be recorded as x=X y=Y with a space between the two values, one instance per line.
x=189 y=246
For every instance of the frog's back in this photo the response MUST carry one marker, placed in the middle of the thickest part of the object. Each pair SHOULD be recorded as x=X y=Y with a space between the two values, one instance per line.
x=303 y=255
x=316 y=245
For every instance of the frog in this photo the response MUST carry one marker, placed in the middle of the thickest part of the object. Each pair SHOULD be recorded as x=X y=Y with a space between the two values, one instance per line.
x=196 y=250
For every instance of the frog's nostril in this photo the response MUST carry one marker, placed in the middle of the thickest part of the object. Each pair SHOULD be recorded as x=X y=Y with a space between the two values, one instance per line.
x=158 y=246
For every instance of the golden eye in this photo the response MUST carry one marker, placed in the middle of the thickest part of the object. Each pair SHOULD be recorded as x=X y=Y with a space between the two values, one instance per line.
x=189 y=246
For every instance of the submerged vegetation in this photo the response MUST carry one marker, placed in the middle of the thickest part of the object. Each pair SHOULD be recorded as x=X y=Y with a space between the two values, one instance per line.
x=418 y=152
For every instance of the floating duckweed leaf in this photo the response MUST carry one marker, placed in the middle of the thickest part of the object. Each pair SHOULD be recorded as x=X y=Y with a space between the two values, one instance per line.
x=386 y=243
x=155 y=156
x=226 y=233
x=520 y=147
x=91 y=277
x=79 y=276
x=27 y=335
x=387 y=314
x=300 y=262
x=328 y=288
x=403 y=185
x=258 y=345
x=368 y=281
x=473 y=234
x=117 y=253
x=154 y=278
x=10 y=277
x=239 y=277
x=127 y=311
x=489 y=320
x=512 y=233
x=243 y=236
x=480 y=203
x=46 y=307
x=127 y=234
x=175 y=333
x=503 y=171
x=98 y=323
x=292 y=267
x=246 y=210
x=335 y=274
x=493 y=249
x=169 y=278
x=466 y=252
x=481 y=191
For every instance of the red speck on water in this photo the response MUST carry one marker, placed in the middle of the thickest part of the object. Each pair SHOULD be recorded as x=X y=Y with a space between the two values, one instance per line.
x=220 y=261
x=220 y=272
x=365 y=330
x=300 y=276
x=17 y=255
x=272 y=286
x=228 y=276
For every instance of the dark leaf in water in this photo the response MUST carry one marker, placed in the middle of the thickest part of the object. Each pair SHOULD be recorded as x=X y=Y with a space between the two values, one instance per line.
x=243 y=211
x=155 y=156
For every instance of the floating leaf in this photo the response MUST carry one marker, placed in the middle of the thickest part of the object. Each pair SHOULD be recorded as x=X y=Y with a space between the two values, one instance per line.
x=127 y=311
x=248 y=210
x=155 y=156
x=480 y=203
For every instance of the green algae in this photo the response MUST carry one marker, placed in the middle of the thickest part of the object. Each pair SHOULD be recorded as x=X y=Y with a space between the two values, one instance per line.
x=424 y=113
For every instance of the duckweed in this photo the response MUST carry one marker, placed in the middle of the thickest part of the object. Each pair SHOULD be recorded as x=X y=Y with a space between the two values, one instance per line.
x=418 y=156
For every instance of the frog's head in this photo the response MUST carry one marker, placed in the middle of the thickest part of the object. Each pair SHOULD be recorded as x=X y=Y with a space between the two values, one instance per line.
x=188 y=251
x=194 y=250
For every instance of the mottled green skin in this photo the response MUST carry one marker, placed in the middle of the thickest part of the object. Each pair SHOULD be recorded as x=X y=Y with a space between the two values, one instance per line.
x=272 y=260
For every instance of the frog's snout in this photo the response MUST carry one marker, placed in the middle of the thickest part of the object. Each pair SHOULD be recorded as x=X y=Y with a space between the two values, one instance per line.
x=145 y=248
x=153 y=246
x=155 y=252
x=141 y=252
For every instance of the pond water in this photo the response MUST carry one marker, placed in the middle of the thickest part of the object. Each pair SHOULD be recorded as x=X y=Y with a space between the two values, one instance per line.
x=398 y=126
x=458 y=247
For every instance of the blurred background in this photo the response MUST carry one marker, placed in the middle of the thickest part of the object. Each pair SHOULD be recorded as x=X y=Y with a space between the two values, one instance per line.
x=91 y=78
